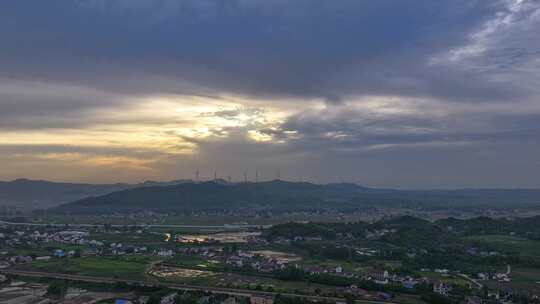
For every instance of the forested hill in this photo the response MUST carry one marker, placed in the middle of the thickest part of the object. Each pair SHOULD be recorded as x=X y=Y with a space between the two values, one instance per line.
x=281 y=195
x=34 y=194
x=408 y=230
x=219 y=195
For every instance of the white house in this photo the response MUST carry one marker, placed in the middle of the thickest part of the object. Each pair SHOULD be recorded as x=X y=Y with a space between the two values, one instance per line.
x=443 y=289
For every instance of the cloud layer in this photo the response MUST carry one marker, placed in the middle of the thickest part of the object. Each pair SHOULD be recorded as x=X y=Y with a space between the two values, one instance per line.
x=386 y=93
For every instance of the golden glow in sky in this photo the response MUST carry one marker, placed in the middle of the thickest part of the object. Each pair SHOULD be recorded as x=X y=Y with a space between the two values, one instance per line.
x=145 y=131
x=146 y=134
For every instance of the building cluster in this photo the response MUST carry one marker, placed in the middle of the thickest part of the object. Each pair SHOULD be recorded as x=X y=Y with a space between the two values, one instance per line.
x=252 y=261
x=497 y=276
x=378 y=233
x=53 y=239
x=475 y=251
x=239 y=259
x=259 y=263
x=116 y=249
x=13 y=238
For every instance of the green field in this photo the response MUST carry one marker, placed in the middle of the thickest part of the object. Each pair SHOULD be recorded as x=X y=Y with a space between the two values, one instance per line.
x=527 y=279
x=508 y=244
x=195 y=262
x=132 y=268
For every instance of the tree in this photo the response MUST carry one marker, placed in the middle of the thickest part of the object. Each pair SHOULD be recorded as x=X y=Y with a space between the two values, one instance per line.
x=485 y=292
x=57 y=289
x=77 y=253
x=155 y=298
x=434 y=298
x=187 y=298
x=349 y=298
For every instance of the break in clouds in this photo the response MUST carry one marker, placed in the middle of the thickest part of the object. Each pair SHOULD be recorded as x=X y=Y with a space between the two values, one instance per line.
x=373 y=92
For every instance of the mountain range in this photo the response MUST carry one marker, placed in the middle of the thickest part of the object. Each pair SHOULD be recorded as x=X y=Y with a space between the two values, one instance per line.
x=280 y=195
x=186 y=195
x=38 y=194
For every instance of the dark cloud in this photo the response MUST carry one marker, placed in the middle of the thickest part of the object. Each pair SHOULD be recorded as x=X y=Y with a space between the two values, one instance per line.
x=274 y=48
x=355 y=131
x=472 y=65
x=26 y=104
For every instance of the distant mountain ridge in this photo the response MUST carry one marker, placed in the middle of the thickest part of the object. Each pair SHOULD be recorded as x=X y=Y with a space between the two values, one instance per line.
x=35 y=194
x=215 y=195
x=185 y=195
x=282 y=195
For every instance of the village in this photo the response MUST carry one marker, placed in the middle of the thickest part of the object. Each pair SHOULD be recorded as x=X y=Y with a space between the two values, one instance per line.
x=232 y=254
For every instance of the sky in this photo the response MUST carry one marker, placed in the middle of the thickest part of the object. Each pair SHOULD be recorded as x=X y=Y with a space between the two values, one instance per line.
x=402 y=94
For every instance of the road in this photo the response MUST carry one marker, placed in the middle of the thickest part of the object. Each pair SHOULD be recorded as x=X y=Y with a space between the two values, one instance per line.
x=466 y=277
x=217 y=290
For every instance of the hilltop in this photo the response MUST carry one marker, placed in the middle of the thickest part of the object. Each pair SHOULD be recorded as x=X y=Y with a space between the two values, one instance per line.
x=280 y=195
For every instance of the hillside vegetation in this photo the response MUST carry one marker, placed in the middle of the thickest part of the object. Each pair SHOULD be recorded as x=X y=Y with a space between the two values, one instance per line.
x=286 y=196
